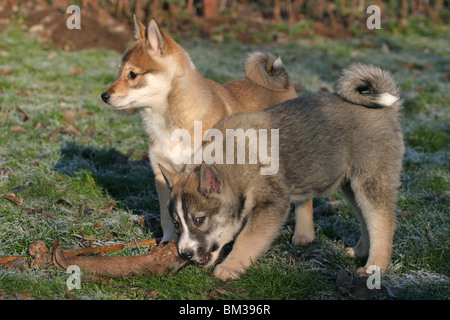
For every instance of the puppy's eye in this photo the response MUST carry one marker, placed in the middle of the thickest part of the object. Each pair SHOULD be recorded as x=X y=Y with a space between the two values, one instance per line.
x=132 y=75
x=198 y=221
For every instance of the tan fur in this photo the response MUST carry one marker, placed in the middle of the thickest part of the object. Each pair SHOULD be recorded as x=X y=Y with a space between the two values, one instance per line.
x=189 y=97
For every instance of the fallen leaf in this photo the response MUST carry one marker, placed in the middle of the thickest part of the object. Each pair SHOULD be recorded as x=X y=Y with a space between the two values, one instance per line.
x=53 y=136
x=24 y=115
x=90 y=132
x=447 y=75
x=141 y=222
x=6 y=72
x=223 y=291
x=22 y=186
x=18 y=129
x=23 y=295
x=109 y=207
x=70 y=129
x=33 y=210
x=39 y=252
x=23 y=92
x=12 y=197
x=151 y=293
x=48 y=215
x=88 y=114
x=70 y=117
x=68 y=296
x=63 y=201
x=76 y=70
x=98 y=225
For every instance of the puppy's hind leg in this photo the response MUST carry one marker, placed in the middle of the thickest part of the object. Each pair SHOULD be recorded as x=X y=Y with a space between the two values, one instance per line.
x=376 y=200
x=362 y=247
x=255 y=238
x=304 y=224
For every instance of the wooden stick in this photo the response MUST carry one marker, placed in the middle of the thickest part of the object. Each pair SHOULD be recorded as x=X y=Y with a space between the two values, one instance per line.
x=7 y=259
x=78 y=252
x=84 y=251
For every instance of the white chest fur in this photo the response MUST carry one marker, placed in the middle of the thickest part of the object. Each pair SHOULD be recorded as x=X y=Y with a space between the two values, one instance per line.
x=161 y=142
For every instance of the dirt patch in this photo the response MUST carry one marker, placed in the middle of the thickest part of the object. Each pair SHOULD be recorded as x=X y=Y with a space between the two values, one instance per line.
x=50 y=25
x=98 y=29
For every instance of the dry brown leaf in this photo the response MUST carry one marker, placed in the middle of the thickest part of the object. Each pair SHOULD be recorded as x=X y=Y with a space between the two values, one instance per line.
x=90 y=132
x=12 y=197
x=22 y=186
x=76 y=70
x=88 y=114
x=70 y=129
x=223 y=291
x=24 y=115
x=107 y=208
x=23 y=92
x=70 y=117
x=6 y=72
x=18 y=129
x=53 y=136
x=33 y=210
x=98 y=225
x=39 y=252
x=151 y=293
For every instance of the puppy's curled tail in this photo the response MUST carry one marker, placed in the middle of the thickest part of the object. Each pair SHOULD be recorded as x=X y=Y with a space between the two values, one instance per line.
x=267 y=71
x=368 y=85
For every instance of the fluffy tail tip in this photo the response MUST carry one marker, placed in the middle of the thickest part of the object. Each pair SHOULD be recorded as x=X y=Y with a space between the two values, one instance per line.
x=267 y=71
x=368 y=85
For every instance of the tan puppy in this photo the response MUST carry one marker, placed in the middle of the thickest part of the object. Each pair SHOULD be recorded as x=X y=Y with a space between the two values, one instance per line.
x=158 y=76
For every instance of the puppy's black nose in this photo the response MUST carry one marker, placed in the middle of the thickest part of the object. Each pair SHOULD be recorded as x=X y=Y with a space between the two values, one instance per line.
x=105 y=96
x=187 y=255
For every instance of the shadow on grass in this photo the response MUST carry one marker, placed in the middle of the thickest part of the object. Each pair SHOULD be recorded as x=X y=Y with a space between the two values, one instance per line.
x=129 y=183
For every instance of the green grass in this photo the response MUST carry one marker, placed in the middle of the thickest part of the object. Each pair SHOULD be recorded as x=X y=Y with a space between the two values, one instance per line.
x=74 y=178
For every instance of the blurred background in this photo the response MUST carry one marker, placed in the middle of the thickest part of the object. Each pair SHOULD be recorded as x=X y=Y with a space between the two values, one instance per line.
x=109 y=23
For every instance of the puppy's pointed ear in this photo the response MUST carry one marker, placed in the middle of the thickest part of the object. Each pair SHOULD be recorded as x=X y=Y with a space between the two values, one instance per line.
x=210 y=180
x=168 y=176
x=155 y=38
x=139 y=29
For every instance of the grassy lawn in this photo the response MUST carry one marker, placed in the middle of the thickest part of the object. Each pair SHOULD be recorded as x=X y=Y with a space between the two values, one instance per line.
x=78 y=166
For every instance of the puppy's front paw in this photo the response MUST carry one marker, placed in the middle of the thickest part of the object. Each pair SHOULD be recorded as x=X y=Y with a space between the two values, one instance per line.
x=301 y=240
x=225 y=272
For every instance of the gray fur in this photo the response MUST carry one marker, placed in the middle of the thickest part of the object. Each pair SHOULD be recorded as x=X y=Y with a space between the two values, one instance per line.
x=327 y=140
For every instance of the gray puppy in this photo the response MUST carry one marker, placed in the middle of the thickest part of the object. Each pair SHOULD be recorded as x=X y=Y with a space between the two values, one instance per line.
x=350 y=139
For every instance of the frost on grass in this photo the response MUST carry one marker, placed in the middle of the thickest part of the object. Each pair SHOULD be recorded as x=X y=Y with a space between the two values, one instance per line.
x=417 y=283
x=416 y=156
